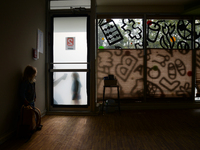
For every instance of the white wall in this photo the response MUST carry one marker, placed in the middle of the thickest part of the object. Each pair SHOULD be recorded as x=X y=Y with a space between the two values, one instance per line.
x=140 y=9
x=19 y=21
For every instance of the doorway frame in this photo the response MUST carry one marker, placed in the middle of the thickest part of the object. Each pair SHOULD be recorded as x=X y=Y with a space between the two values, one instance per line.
x=91 y=108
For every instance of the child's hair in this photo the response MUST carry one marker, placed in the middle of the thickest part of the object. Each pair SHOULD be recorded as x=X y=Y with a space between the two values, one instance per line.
x=29 y=73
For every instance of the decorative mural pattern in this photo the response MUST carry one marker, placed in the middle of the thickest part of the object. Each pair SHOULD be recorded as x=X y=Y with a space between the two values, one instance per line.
x=111 y=32
x=169 y=57
x=197 y=47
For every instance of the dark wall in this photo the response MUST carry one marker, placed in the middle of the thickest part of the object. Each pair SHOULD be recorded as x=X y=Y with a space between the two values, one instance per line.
x=19 y=23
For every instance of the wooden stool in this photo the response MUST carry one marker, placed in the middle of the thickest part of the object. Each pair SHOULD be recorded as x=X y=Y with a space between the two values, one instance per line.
x=117 y=86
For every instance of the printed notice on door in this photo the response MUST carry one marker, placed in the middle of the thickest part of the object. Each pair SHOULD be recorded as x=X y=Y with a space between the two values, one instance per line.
x=40 y=41
x=70 y=43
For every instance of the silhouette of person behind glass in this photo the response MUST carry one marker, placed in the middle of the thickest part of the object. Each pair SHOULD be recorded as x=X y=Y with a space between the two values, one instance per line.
x=76 y=86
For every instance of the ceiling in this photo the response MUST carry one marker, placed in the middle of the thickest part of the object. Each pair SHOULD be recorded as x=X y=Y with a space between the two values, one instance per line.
x=190 y=7
x=143 y=2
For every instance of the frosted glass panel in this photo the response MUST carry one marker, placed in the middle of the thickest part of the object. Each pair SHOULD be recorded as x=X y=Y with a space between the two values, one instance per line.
x=70 y=66
x=70 y=39
x=69 y=88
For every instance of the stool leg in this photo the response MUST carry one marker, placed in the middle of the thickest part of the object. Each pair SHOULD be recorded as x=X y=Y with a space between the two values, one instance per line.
x=103 y=99
x=118 y=100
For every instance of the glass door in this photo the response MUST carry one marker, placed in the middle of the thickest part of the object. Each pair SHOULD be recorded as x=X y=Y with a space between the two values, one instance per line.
x=70 y=62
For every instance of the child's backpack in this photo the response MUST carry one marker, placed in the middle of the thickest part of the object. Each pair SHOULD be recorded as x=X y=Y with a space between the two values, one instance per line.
x=30 y=119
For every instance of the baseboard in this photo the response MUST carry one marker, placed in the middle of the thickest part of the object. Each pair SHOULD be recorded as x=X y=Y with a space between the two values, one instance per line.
x=71 y=113
x=7 y=136
x=10 y=134
x=43 y=113
x=136 y=106
x=146 y=106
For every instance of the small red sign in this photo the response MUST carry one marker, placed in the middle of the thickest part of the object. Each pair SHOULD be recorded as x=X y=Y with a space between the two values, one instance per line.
x=70 y=41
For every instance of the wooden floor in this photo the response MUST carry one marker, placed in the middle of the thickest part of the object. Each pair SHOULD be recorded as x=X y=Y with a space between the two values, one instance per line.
x=132 y=130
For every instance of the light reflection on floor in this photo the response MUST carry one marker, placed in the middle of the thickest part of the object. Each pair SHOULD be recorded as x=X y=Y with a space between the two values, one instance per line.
x=197 y=99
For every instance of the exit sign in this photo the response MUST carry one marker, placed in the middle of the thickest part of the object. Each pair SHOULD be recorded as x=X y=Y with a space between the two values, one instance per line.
x=70 y=43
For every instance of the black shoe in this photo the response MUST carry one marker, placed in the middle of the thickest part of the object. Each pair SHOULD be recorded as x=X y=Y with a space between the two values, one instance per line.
x=39 y=127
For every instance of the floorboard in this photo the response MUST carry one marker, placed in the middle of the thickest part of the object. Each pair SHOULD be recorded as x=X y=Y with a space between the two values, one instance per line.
x=132 y=130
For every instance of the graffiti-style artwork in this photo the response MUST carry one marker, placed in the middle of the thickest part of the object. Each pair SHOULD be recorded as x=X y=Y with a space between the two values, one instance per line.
x=197 y=32
x=153 y=73
x=168 y=55
x=153 y=30
x=105 y=63
x=171 y=86
x=138 y=89
x=183 y=47
x=141 y=54
x=184 y=29
x=184 y=90
x=197 y=45
x=167 y=41
x=134 y=32
x=153 y=89
x=171 y=71
x=123 y=33
x=163 y=60
x=197 y=48
x=118 y=47
x=180 y=66
x=139 y=69
x=118 y=52
x=148 y=54
x=169 y=34
x=111 y=32
x=198 y=59
x=125 y=67
x=138 y=46
x=100 y=21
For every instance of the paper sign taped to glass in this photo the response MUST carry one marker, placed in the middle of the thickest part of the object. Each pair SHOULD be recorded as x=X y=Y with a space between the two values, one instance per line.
x=70 y=43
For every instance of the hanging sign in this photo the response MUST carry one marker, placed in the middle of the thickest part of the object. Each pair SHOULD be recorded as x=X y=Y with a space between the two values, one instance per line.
x=70 y=43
